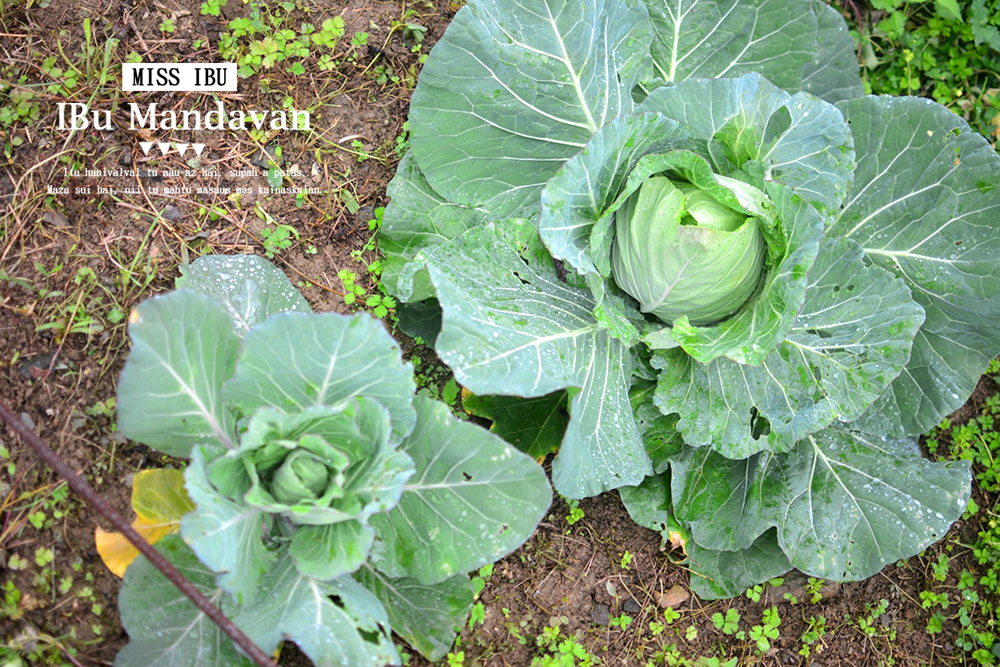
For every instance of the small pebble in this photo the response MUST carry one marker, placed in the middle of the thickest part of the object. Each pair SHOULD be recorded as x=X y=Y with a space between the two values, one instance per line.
x=600 y=614
x=672 y=597
x=55 y=218
x=172 y=213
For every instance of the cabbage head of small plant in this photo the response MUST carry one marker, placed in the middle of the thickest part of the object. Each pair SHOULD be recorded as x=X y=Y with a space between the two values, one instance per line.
x=332 y=506
x=754 y=285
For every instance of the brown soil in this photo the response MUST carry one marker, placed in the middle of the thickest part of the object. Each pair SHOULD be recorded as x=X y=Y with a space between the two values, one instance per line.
x=100 y=255
x=571 y=576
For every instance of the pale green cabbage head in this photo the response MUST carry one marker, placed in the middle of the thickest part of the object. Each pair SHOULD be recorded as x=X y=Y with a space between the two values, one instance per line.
x=303 y=476
x=678 y=251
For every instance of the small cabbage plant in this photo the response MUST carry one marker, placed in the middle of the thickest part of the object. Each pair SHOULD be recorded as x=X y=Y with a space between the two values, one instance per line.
x=333 y=506
x=752 y=285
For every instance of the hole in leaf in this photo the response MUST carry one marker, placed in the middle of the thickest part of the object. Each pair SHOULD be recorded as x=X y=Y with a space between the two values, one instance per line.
x=821 y=333
x=777 y=125
x=759 y=425
x=369 y=636
x=466 y=476
x=335 y=599
x=503 y=529
x=560 y=269
x=518 y=276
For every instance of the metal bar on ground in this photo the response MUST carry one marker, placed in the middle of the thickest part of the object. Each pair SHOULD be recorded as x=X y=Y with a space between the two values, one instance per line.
x=85 y=491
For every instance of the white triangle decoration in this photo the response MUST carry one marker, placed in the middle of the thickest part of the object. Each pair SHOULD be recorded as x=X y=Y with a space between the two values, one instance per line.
x=198 y=148
x=164 y=147
x=145 y=146
x=181 y=148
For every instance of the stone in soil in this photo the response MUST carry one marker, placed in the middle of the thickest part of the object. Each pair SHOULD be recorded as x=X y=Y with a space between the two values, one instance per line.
x=600 y=614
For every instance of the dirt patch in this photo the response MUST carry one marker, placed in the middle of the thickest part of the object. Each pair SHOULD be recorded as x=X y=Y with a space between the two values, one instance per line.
x=578 y=580
x=47 y=543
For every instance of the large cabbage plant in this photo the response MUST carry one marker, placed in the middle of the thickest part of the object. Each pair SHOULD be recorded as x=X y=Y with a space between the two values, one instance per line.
x=754 y=285
x=332 y=506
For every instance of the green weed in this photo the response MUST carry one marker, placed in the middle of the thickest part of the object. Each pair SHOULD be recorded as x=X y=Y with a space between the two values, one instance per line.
x=948 y=50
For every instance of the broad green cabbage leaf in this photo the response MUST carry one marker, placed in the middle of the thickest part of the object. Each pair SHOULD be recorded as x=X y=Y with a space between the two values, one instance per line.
x=249 y=288
x=844 y=504
x=508 y=320
x=513 y=90
x=798 y=46
x=164 y=625
x=925 y=205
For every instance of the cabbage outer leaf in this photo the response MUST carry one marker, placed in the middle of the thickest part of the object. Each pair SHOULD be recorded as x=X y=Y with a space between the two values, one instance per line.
x=725 y=574
x=659 y=431
x=798 y=45
x=844 y=504
x=925 y=205
x=164 y=626
x=249 y=288
x=533 y=425
x=427 y=617
x=512 y=90
x=417 y=217
x=329 y=551
x=714 y=573
x=648 y=504
x=295 y=361
x=292 y=606
x=473 y=500
x=511 y=326
x=183 y=349
x=833 y=73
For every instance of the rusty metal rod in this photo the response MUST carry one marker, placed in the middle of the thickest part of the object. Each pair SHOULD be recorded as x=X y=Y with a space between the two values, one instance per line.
x=85 y=491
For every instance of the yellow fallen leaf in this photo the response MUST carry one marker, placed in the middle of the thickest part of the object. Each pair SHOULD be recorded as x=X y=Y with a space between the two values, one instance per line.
x=118 y=553
x=159 y=501
x=158 y=495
